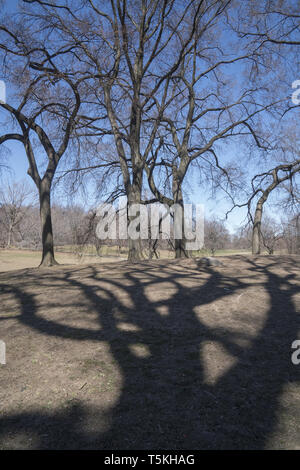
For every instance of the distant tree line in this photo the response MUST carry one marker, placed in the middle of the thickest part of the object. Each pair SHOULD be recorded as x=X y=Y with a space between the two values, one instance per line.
x=75 y=230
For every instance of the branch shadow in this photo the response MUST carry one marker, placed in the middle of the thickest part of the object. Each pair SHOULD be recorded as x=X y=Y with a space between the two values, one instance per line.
x=166 y=401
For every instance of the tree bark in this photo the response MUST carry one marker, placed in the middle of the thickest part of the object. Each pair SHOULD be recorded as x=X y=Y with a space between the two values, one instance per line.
x=48 y=258
x=180 y=251
x=256 y=233
x=9 y=236
x=297 y=235
x=135 y=253
x=180 y=248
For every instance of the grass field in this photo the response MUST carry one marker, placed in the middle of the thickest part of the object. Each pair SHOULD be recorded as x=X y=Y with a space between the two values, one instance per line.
x=20 y=259
x=156 y=355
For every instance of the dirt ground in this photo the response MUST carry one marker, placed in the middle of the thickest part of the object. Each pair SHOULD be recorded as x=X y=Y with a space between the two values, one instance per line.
x=155 y=355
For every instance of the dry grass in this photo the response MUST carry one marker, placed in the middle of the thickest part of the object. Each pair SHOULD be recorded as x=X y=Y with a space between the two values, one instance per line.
x=161 y=354
x=13 y=259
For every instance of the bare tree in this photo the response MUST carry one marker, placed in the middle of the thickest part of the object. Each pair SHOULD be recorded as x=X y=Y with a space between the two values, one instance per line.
x=291 y=233
x=15 y=199
x=30 y=230
x=200 y=118
x=276 y=22
x=276 y=174
x=48 y=104
x=144 y=45
x=271 y=233
x=43 y=183
x=275 y=177
x=216 y=235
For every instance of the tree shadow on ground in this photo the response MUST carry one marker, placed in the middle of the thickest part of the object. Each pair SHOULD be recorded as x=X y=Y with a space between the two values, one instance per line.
x=166 y=401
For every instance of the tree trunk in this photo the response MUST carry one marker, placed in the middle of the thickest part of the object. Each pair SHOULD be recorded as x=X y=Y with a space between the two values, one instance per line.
x=48 y=258
x=134 y=246
x=180 y=249
x=256 y=234
x=297 y=235
x=9 y=236
x=134 y=250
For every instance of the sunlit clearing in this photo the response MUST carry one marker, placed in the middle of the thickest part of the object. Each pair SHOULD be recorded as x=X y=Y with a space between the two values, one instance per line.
x=127 y=327
x=216 y=361
x=163 y=310
x=161 y=290
x=140 y=350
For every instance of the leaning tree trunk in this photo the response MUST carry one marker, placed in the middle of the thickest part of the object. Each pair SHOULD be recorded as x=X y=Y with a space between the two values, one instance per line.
x=48 y=258
x=256 y=233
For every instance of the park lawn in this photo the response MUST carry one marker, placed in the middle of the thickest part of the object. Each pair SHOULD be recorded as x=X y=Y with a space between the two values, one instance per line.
x=19 y=259
x=11 y=259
